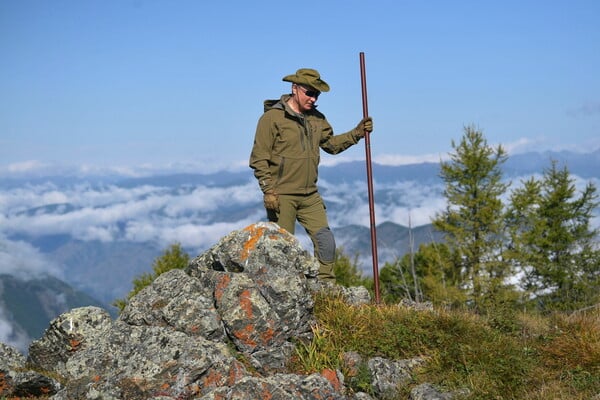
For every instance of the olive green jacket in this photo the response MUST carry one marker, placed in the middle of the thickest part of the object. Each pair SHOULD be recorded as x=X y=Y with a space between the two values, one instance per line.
x=285 y=156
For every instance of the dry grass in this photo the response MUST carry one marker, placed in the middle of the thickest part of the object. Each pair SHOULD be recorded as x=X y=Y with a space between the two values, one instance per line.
x=555 y=357
x=569 y=354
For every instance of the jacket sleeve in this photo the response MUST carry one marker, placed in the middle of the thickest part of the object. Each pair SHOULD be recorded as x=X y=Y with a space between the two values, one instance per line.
x=334 y=144
x=261 y=153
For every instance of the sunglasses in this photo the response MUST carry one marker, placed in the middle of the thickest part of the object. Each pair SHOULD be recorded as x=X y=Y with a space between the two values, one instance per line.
x=310 y=93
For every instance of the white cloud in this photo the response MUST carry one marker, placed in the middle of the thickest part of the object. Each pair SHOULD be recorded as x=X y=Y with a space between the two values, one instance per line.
x=398 y=159
x=209 y=199
x=328 y=160
x=521 y=145
x=201 y=236
x=10 y=336
x=24 y=261
x=189 y=235
x=100 y=233
x=94 y=213
x=24 y=198
x=78 y=221
x=36 y=168
x=144 y=213
x=383 y=159
x=417 y=216
x=395 y=202
x=26 y=166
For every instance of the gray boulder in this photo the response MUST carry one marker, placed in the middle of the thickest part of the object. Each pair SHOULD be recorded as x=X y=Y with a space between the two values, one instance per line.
x=195 y=333
x=179 y=301
x=388 y=375
x=10 y=359
x=17 y=381
x=257 y=278
x=10 y=362
x=68 y=334
x=115 y=359
x=427 y=391
x=280 y=387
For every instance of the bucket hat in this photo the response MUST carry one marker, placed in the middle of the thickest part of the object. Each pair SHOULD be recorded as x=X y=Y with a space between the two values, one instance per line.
x=309 y=77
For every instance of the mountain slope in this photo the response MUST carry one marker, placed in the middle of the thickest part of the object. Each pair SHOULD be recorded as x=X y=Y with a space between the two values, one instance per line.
x=27 y=306
x=105 y=270
x=393 y=242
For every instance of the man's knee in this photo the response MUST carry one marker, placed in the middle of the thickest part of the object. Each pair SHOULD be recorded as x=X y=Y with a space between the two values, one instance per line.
x=325 y=245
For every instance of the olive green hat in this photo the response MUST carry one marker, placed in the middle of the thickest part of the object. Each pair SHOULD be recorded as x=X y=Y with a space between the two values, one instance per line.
x=308 y=77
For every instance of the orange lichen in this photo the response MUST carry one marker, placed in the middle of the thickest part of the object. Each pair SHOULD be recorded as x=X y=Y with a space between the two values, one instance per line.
x=245 y=335
x=267 y=336
x=74 y=343
x=213 y=379
x=255 y=234
x=236 y=372
x=332 y=377
x=222 y=283
x=3 y=384
x=246 y=303
x=194 y=388
x=266 y=393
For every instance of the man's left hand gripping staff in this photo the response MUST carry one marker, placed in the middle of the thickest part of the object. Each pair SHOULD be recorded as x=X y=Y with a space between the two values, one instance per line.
x=365 y=125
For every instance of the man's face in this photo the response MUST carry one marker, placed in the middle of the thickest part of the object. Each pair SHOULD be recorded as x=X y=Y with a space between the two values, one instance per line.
x=306 y=97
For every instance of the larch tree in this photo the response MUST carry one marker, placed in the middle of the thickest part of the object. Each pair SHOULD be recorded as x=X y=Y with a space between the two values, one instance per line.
x=552 y=242
x=473 y=219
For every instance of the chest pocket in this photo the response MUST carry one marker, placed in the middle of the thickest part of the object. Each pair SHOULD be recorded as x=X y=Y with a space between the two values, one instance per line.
x=290 y=140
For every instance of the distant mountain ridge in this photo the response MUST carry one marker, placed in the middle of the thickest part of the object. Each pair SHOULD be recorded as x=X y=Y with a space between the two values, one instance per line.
x=585 y=165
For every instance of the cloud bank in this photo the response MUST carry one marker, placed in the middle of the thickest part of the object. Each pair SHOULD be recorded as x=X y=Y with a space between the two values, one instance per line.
x=196 y=216
x=193 y=216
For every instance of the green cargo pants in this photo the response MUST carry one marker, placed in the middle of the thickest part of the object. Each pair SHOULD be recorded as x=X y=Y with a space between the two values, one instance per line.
x=309 y=211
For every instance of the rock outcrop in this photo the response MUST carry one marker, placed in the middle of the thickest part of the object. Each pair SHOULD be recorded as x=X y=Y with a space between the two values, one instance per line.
x=223 y=328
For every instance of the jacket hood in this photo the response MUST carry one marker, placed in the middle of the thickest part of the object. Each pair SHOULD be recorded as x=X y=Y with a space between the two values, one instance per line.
x=278 y=104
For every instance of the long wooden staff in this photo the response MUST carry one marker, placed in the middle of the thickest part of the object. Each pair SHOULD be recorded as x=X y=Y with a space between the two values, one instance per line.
x=365 y=106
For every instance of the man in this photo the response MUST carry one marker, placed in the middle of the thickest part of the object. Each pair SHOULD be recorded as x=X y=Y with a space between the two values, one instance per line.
x=285 y=159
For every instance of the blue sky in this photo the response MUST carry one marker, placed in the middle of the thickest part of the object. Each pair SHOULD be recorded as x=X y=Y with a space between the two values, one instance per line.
x=161 y=84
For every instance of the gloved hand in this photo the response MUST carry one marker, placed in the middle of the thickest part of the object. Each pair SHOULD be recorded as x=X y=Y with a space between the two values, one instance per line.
x=271 y=200
x=366 y=124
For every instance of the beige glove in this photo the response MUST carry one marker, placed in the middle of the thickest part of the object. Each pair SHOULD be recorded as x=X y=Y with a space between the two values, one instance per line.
x=365 y=125
x=271 y=200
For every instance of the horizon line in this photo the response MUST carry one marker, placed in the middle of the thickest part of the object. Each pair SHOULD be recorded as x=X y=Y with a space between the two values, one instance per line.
x=40 y=169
